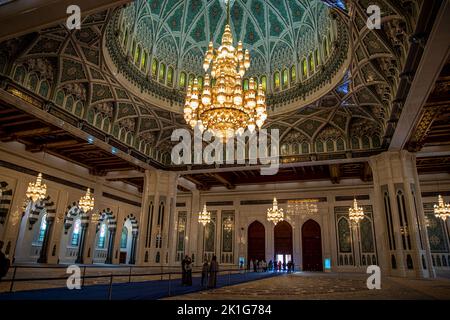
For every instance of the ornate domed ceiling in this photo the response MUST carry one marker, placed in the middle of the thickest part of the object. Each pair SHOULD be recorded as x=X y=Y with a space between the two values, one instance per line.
x=93 y=76
x=177 y=32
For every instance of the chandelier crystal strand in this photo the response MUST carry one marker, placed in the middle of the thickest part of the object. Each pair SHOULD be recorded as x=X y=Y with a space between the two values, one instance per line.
x=355 y=213
x=442 y=209
x=222 y=105
x=204 y=217
x=275 y=214
x=36 y=191
x=87 y=202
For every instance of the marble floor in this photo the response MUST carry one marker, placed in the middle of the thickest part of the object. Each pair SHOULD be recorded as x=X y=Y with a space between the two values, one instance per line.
x=328 y=286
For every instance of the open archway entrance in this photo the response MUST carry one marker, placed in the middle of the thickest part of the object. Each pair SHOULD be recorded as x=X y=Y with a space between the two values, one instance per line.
x=256 y=242
x=283 y=243
x=312 y=246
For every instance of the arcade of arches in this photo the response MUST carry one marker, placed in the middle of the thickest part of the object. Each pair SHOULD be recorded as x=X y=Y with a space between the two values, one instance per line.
x=363 y=114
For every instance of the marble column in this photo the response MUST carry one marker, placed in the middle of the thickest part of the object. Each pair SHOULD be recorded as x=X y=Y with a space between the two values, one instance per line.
x=110 y=253
x=82 y=241
x=400 y=219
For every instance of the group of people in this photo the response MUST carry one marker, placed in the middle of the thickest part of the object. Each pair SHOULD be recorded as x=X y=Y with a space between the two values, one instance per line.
x=263 y=266
x=209 y=272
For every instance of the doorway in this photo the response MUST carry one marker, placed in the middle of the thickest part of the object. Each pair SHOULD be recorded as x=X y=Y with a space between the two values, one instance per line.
x=283 y=243
x=312 y=246
x=256 y=242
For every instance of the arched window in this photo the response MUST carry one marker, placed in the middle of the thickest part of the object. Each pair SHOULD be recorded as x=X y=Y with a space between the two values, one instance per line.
x=154 y=68
x=264 y=82
x=144 y=60
x=376 y=143
x=69 y=103
x=191 y=79
x=124 y=238
x=182 y=80
x=44 y=89
x=330 y=145
x=285 y=78
x=327 y=45
x=59 y=98
x=102 y=236
x=355 y=143
x=365 y=142
x=32 y=82
x=319 y=146
x=324 y=48
x=293 y=74
x=170 y=77
x=318 y=62
x=42 y=229
x=76 y=233
x=133 y=48
x=79 y=109
x=340 y=144
x=162 y=72
x=19 y=75
x=295 y=148
x=305 y=148
x=137 y=54
x=311 y=63
x=304 y=68
x=276 y=80
x=246 y=83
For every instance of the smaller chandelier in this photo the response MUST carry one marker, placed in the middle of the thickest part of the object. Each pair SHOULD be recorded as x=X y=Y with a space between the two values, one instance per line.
x=36 y=191
x=304 y=206
x=275 y=214
x=228 y=224
x=95 y=217
x=355 y=213
x=442 y=209
x=204 y=217
x=87 y=202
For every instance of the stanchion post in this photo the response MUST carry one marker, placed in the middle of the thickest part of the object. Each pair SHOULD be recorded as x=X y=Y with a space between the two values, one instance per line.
x=110 y=286
x=84 y=274
x=12 y=280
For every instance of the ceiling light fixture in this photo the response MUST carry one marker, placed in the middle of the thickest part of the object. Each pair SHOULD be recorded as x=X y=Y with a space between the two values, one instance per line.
x=223 y=105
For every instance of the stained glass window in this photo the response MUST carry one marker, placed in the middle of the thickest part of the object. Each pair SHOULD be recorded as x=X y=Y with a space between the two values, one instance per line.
x=102 y=236
x=44 y=88
x=317 y=57
x=69 y=103
x=137 y=54
x=76 y=233
x=285 y=79
x=276 y=80
x=32 y=82
x=154 y=68
x=42 y=229
x=304 y=68
x=170 y=76
x=311 y=64
x=144 y=60
x=246 y=84
x=19 y=75
x=59 y=98
x=264 y=82
x=124 y=238
x=182 y=80
x=162 y=72
x=293 y=74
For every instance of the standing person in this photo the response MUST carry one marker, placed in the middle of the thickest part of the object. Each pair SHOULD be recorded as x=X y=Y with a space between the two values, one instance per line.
x=255 y=266
x=188 y=268
x=279 y=266
x=4 y=262
x=293 y=266
x=205 y=273
x=251 y=265
x=270 y=265
x=183 y=271
x=213 y=269
x=284 y=266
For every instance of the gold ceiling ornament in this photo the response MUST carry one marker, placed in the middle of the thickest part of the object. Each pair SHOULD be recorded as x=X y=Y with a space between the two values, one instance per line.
x=355 y=213
x=303 y=206
x=223 y=105
x=275 y=214
x=442 y=209
x=86 y=202
x=204 y=216
x=36 y=191
x=95 y=217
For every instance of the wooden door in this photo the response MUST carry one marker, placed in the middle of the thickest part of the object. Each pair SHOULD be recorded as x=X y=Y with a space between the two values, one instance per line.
x=312 y=246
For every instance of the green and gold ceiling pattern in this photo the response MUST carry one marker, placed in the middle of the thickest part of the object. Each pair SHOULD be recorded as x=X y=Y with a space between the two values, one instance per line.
x=68 y=69
x=276 y=32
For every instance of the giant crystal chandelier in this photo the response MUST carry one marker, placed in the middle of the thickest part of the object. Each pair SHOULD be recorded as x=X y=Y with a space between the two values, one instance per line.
x=223 y=105
x=204 y=217
x=275 y=214
x=87 y=202
x=355 y=213
x=36 y=190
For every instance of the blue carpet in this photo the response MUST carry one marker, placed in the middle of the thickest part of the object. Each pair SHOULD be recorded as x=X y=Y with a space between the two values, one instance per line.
x=148 y=290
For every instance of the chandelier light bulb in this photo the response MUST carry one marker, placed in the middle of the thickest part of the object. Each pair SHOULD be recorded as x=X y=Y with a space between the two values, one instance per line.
x=275 y=214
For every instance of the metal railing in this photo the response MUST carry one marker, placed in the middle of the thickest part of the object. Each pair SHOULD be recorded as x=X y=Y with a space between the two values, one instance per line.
x=129 y=276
